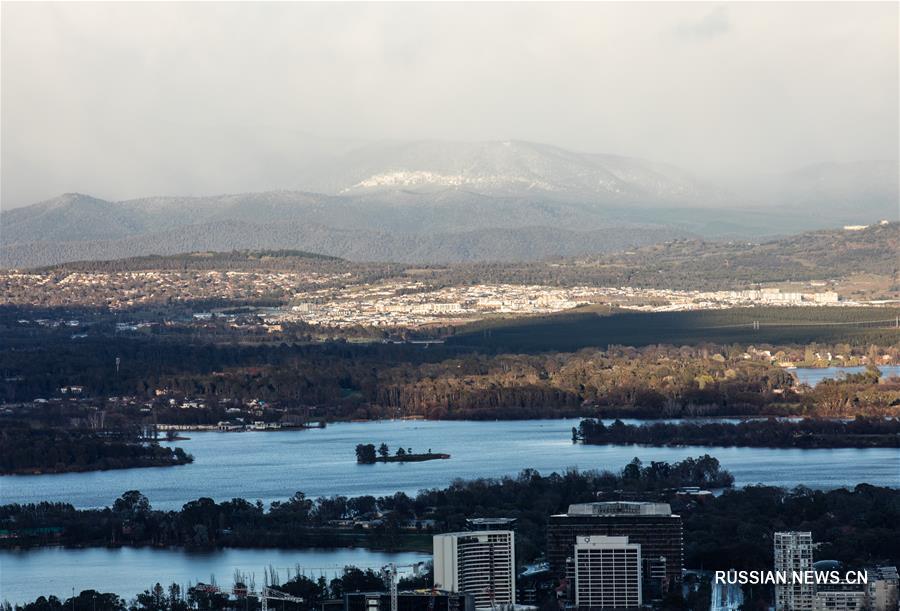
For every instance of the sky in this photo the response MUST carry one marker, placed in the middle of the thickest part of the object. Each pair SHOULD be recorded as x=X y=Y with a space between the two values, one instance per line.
x=123 y=100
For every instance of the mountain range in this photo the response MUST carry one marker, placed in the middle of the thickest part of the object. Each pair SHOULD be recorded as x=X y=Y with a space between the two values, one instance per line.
x=453 y=201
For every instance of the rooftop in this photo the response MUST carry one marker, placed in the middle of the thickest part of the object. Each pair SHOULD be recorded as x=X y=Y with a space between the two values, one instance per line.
x=619 y=508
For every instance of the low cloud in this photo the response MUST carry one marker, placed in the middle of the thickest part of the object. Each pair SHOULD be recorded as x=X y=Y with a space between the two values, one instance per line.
x=713 y=24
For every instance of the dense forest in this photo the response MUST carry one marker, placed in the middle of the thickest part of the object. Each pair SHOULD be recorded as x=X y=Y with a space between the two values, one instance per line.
x=771 y=433
x=339 y=380
x=59 y=450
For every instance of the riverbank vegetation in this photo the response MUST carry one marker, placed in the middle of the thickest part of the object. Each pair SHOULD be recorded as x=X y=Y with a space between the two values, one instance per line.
x=772 y=433
x=58 y=450
x=393 y=522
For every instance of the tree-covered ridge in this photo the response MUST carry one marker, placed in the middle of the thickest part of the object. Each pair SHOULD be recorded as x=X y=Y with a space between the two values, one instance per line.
x=281 y=259
x=771 y=433
x=708 y=265
x=62 y=450
x=676 y=264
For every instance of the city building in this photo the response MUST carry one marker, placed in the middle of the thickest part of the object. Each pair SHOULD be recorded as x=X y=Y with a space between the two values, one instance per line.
x=481 y=563
x=839 y=600
x=607 y=573
x=883 y=589
x=491 y=523
x=793 y=553
x=652 y=526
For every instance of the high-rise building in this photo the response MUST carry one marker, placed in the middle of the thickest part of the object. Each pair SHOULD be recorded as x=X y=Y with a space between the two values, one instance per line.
x=607 y=573
x=793 y=554
x=653 y=526
x=481 y=563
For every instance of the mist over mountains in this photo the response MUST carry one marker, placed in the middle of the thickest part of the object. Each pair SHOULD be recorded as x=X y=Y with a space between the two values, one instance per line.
x=435 y=201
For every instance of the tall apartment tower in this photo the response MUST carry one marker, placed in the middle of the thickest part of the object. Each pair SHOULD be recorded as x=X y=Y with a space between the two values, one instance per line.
x=481 y=563
x=653 y=526
x=793 y=552
x=607 y=573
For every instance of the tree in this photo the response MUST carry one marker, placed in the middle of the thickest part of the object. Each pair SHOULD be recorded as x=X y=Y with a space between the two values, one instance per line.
x=153 y=599
x=383 y=450
x=632 y=470
x=365 y=453
x=133 y=504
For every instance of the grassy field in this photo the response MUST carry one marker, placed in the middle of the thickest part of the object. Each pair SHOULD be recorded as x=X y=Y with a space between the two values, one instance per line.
x=589 y=327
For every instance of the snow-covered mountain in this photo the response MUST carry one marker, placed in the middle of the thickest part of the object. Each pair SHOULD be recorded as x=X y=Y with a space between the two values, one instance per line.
x=510 y=168
x=504 y=200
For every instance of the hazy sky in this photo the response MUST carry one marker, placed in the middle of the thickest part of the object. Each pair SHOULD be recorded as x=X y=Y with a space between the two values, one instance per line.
x=123 y=100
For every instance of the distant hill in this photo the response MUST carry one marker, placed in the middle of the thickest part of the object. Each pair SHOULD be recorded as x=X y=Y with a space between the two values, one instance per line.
x=207 y=260
x=678 y=264
x=441 y=202
x=819 y=254
x=493 y=244
x=703 y=264
x=840 y=191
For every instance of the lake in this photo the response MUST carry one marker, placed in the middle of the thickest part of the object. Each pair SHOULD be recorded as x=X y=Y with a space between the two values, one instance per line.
x=272 y=465
x=25 y=575
x=814 y=375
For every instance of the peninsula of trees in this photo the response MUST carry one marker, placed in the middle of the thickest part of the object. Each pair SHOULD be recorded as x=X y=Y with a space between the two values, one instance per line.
x=57 y=450
x=771 y=433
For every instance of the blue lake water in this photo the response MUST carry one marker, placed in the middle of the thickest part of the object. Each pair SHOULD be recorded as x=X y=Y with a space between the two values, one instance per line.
x=814 y=375
x=273 y=465
x=25 y=575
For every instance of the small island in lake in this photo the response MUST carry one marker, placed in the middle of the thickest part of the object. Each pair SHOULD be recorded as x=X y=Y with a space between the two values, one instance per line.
x=367 y=454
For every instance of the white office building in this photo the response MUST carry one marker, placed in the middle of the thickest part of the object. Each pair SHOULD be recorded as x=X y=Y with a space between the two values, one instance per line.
x=793 y=553
x=607 y=573
x=481 y=563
